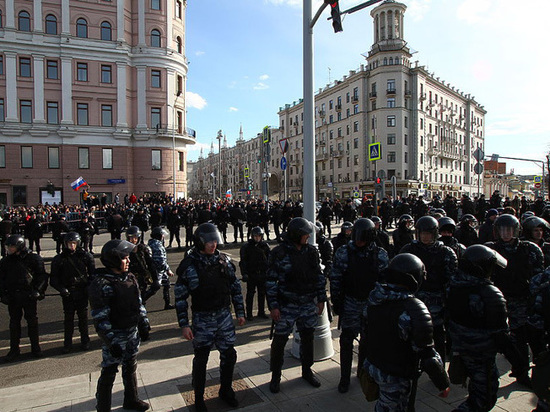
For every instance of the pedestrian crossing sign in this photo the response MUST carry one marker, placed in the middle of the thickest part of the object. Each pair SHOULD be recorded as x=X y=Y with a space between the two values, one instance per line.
x=375 y=151
x=538 y=179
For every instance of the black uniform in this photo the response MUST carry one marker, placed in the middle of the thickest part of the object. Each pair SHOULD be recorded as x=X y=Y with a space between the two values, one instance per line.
x=33 y=232
x=6 y=228
x=115 y=223
x=141 y=220
x=59 y=229
x=23 y=281
x=253 y=265
x=70 y=276
x=173 y=223
x=145 y=271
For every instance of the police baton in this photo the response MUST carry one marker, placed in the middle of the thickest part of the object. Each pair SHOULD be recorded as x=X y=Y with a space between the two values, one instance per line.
x=414 y=387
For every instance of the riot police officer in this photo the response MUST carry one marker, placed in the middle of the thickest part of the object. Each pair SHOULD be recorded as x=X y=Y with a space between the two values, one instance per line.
x=357 y=266
x=343 y=237
x=253 y=264
x=6 y=228
x=295 y=295
x=441 y=263
x=209 y=277
x=71 y=272
x=535 y=229
x=325 y=249
x=59 y=230
x=525 y=261
x=447 y=228
x=466 y=232
x=398 y=331
x=479 y=330
x=142 y=265
x=23 y=281
x=382 y=238
x=156 y=243
x=117 y=312
x=173 y=223
x=404 y=234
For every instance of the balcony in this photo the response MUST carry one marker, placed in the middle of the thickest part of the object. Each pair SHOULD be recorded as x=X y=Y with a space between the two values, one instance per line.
x=408 y=93
x=338 y=107
x=321 y=157
x=189 y=137
x=433 y=151
x=391 y=92
x=372 y=95
x=322 y=114
x=337 y=153
x=423 y=96
x=355 y=99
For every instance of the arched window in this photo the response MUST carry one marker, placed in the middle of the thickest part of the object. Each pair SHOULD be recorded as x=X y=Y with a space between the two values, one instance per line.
x=391 y=61
x=82 y=28
x=179 y=45
x=51 y=24
x=106 y=31
x=155 y=38
x=385 y=61
x=1 y=19
x=24 y=21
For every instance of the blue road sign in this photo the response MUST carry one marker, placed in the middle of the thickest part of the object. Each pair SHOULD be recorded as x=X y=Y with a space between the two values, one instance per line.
x=283 y=163
x=375 y=151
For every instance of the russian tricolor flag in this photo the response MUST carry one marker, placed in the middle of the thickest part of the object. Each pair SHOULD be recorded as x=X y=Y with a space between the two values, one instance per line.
x=78 y=183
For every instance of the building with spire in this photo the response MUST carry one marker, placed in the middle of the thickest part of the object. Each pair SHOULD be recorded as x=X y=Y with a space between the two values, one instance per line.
x=92 y=89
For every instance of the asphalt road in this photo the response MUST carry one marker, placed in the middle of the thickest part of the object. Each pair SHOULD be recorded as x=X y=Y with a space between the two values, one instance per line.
x=166 y=341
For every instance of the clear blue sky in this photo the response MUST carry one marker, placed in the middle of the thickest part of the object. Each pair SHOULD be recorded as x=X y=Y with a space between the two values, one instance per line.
x=246 y=62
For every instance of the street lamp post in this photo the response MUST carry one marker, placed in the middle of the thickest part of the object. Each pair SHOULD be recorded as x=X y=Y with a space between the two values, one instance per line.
x=219 y=137
x=178 y=94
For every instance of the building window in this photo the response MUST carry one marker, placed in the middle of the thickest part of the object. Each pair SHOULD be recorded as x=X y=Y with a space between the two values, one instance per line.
x=391 y=102
x=1 y=63
x=406 y=157
x=155 y=38
x=82 y=114
x=106 y=73
x=52 y=109
x=106 y=31
x=82 y=72
x=53 y=157
x=391 y=138
x=107 y=158
x=1 y=19
x=2 y=157
x=155 y=78
x=406 y=121
x=347 y=97
x=19 y=195
x=178 y=9
x=26 y=157
x=25 y=111
x=82 y=28
x=83 y=158
x=391 y=85
x=391 y=121
x=179 y=85
x=24 y=21
x=406 y=140
x=181 y=161
x=391 y=157
x=155 y=117
x=155 y=4
x=356 y=93
x=52 y=70
x=179 y=45
x=156 y=163
x=106 y=115
x=356 y=143
x=355 y=126
x=2 y=111
x=24 y=67
x=51 y=24
x=355 y=108
x=331 y=119
x=180 y=122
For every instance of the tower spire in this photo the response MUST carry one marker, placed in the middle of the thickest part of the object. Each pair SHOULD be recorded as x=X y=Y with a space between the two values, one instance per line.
x=241 y=133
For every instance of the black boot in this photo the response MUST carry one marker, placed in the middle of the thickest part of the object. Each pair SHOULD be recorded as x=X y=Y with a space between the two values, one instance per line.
x=68 y=325
x=346 y=357
x=199 y=377
x=306 y=357
x=129 y=378
x=276 y=361
x=105 y=388
x=227 y=365
x=166 y=296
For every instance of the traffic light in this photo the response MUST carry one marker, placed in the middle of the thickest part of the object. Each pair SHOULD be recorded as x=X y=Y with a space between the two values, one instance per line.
x=335 y=13
x=259 y=159
x=378 y=184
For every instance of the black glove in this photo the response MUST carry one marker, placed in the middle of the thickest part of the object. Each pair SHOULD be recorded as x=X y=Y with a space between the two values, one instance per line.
x=115 y=350
x=144 y=329
x=65 y=293
x=35 y=295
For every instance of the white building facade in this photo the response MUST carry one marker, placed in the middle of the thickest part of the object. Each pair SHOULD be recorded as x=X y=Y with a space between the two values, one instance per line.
x=92 y=89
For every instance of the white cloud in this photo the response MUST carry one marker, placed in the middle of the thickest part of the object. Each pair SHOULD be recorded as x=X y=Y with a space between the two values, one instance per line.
x=196 y=101
x=233 y=109
x=260 y=86
x=417 y=9
x=200 y=53
x=292 y=3
x=264 y=77
x=473 y=11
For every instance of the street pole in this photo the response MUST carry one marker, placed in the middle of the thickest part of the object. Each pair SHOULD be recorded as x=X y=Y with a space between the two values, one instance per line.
x=309 y=119
x=174 y=145
x=220 y=163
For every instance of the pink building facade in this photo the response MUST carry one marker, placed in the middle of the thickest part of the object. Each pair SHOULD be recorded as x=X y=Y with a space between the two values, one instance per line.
x=92 y=89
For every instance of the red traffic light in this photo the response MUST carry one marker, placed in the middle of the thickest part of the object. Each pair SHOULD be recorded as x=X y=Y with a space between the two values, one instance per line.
x=378 y=180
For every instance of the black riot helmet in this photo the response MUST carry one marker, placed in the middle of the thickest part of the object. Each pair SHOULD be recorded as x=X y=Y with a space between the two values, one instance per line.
x=257 y=231
x=427 y=224
x=319 y=228
x=506 y=221
x=533 y=222
x=16 y=240
x=446 y=224
x=405 y=220
x=363 y=230
x=204 y=233
x=406 y=269
x=468 y=219
x=72 y=237
x=114 y=251
x=297 y=228
x=158 y=233
x=346 y=226
x=376 y=219
x=480 y=261
x=133 y=231
x=438 y=211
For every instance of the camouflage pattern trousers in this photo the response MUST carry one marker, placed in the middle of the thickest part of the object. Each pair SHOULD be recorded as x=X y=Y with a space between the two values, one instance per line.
x=128 y=340
x=304 y=315
x=483 y=382
x=394 y=391
x=213 y=328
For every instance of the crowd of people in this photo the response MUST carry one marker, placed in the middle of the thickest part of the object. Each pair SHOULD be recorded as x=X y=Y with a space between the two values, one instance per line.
x=456 y=281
